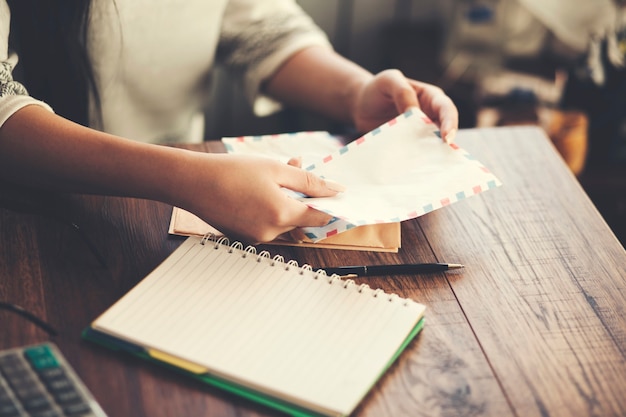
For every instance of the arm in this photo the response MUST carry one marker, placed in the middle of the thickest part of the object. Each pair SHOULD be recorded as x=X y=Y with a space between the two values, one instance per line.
x=240 y=196
x=321 y=80
x=279 y=51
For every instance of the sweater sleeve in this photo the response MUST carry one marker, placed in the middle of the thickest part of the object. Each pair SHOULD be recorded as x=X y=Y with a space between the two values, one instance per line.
x=13 y=95
x=258 y=36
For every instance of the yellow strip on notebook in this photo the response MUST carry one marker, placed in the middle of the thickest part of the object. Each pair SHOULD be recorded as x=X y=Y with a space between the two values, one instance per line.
x=178 y=362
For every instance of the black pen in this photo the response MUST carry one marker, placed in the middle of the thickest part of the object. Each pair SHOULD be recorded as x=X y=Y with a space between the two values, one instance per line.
x=397 y=269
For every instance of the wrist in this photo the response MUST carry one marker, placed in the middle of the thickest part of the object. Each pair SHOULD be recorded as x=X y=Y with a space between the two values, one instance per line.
x=178 y=176
x=355 y=89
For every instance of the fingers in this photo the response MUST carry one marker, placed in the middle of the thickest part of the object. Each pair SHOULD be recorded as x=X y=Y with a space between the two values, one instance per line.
x=293 y=214
x=406 y=93
x=248 y=200
x=296 y=161
x=402 y=91
x=330 y=184
x=299 y=214
x=394 y=85
x=310 y=184
x=405 y=100
x=439 y=107
x=448 y=116
x=271 y=218
x=334 y=185
x=311 y=217
x=287 y=214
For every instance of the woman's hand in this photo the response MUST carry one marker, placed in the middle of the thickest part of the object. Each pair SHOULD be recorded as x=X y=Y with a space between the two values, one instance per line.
x=321 y=80
x=241 y=195
x=390 y=93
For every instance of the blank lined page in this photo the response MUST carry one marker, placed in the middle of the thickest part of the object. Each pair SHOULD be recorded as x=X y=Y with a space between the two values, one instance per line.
x=277 y=328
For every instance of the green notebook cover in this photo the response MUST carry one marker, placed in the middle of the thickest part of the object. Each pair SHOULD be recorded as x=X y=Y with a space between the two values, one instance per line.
x=287 y=337
x=231 y=387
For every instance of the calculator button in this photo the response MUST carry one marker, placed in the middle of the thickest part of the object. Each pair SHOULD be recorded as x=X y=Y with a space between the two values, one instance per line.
x=59 y=385
x=14 y=368
x=8 y=409
x=36 y=403
x=9 y=359
x=51 y=373
x=46 y=413
x=36 y=381
x=67 y=397
x=76 y=409
x=7 y=404
x=41 y=357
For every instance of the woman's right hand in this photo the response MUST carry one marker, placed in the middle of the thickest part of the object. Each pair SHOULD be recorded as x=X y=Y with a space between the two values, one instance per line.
x=242 y=197
x=239 y=195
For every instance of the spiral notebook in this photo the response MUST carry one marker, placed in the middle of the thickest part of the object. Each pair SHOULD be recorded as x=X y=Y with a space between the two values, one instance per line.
x=262 y=327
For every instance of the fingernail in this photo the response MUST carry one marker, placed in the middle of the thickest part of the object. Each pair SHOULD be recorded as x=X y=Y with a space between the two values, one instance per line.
x=296 y=161
x=335 y=186
x=450 y=136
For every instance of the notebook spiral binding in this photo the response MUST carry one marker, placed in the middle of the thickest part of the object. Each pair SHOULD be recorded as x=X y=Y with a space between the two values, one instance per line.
x=278 y=260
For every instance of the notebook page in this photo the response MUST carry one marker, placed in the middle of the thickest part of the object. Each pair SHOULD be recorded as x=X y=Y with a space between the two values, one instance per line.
x=278 y=329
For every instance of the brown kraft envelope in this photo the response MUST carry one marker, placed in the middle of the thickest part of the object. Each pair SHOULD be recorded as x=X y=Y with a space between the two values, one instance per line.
x=383 y=237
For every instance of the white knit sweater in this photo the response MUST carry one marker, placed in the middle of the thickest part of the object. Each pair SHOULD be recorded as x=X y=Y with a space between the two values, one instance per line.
x=152 y=59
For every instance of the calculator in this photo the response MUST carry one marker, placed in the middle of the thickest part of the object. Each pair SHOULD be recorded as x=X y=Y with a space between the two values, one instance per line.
x=37 y=381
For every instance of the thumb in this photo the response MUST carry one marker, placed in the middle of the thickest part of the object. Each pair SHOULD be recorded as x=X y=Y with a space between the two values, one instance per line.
x=296 y=161
x=401 y=91
x=310 y=184
x=405 y=98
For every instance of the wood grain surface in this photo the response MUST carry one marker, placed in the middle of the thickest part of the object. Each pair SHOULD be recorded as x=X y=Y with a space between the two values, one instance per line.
x=534 y=325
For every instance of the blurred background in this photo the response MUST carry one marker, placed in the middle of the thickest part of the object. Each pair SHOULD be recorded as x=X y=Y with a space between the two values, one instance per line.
x=557 y=64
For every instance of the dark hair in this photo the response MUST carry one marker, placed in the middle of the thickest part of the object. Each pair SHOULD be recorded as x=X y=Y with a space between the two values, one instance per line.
x=50 y=37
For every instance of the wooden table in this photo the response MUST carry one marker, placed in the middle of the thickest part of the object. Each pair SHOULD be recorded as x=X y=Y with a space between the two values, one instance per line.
x=535 y=325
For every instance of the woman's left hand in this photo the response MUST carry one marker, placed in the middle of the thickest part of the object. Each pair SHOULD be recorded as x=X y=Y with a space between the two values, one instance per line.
x=390 y=93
